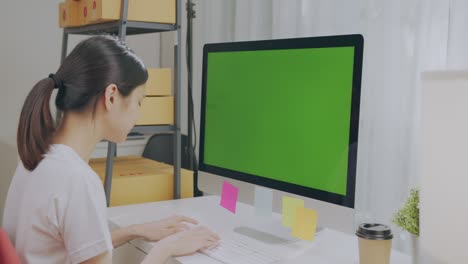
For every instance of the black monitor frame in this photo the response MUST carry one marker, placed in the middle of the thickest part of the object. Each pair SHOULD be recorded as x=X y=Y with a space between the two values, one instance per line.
x=356 y=41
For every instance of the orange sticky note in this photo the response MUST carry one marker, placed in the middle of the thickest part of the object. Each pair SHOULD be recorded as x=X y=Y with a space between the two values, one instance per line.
x=305 y=224
x=290 y=205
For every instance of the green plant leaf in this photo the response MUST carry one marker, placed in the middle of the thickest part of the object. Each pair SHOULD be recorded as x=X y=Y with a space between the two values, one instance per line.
x=408 y=216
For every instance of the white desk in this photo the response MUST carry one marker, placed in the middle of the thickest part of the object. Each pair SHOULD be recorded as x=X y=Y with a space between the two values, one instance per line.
x=329 y=246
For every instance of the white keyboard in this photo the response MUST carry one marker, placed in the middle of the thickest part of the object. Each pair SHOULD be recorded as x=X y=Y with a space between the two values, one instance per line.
x=236 y=251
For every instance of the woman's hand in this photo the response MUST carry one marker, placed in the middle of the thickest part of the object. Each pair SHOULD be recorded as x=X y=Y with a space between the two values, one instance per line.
x=190 y=241
x=155 y=231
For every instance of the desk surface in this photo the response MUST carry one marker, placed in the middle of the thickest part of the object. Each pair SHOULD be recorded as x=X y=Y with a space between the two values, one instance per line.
x=330 y=246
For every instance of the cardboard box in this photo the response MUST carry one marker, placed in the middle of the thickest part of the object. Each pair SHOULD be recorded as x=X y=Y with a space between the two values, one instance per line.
x=157 y=111
x=68 y=14
x=159 y=82
x=62 y=15
x=83 y=12
x=139 y=180
x=161 y=11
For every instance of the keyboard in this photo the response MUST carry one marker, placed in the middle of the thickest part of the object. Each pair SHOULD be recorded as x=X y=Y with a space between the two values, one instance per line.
x=237 y=251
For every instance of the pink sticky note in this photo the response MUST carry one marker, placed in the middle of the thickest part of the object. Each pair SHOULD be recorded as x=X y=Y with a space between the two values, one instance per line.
x=229 y=196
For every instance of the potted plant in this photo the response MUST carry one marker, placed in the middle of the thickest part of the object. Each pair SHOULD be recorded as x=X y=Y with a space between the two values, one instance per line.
x=408 y=219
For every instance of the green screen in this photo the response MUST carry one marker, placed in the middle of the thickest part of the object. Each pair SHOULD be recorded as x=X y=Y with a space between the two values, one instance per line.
x=281 y=114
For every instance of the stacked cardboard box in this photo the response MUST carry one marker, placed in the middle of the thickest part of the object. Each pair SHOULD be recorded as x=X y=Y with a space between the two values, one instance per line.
x=84 y=12
x=139 y=180
x=158 y=106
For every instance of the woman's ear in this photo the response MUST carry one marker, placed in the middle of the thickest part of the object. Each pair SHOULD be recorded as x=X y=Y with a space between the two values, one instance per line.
x=110 y=96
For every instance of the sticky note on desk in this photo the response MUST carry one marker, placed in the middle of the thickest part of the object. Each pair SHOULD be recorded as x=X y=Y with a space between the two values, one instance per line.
x=305 y=224
x=263 y=201
x=290 y=205
x=229 y=195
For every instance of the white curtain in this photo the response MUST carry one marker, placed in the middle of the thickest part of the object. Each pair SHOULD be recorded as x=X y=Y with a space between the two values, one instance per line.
x=402 y=38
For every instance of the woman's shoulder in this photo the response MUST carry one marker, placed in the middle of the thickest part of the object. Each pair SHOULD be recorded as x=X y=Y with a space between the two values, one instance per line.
x=62 y=165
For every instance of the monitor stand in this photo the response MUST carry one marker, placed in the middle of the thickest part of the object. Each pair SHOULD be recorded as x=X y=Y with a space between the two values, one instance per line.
x=267 y=237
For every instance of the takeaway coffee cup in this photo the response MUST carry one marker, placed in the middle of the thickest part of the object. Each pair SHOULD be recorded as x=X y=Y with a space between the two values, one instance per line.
x=375 y=243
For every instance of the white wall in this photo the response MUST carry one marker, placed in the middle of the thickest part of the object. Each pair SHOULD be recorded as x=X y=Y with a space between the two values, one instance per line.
x=30 y=43
x=29 y=51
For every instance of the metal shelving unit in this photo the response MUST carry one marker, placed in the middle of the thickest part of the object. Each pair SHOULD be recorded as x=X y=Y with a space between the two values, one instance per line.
x=123 y=28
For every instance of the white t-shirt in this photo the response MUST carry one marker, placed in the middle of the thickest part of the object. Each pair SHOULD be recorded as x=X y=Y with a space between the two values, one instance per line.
x=57 y=213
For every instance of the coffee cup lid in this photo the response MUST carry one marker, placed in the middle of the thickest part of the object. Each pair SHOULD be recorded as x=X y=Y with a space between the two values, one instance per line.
x=374 y=231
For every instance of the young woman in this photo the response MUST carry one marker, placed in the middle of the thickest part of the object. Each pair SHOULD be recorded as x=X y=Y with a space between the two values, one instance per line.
x=56 y=209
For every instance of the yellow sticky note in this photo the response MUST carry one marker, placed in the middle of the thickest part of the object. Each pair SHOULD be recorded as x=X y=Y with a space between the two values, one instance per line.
x=305 y=224
x=290 y=205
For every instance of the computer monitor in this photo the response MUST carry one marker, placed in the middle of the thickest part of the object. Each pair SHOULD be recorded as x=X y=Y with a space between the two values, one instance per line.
x=284 y=114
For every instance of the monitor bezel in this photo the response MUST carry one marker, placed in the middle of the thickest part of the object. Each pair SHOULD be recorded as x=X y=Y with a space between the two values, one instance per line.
x=356 y=41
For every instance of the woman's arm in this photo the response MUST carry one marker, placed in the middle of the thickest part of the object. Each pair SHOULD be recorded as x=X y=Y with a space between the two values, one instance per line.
x=152 y=231
x=158 y=255
x=182 y=243
x=123 y=235
x=104 y=258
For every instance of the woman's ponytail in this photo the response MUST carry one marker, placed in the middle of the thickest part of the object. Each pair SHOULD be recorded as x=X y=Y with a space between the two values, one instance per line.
x=36 y=125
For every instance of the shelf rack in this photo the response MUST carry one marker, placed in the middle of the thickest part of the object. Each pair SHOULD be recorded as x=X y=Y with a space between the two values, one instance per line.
x=124 y=28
